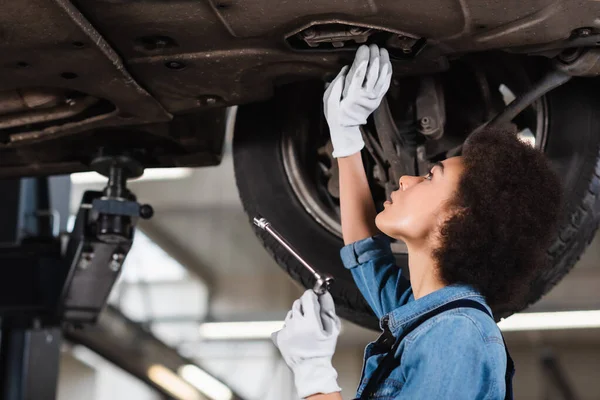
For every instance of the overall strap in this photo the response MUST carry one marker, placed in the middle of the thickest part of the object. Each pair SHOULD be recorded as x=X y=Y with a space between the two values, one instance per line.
x=389 y=362
x=510 y=365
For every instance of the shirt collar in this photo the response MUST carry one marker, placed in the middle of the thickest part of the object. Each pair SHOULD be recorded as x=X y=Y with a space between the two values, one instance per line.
x=403 y=316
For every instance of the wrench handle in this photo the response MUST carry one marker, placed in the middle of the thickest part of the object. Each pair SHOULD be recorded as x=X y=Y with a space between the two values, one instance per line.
x=322 y=281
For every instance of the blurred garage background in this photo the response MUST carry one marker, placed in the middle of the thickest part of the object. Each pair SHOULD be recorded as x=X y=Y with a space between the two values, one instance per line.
x=194 y=307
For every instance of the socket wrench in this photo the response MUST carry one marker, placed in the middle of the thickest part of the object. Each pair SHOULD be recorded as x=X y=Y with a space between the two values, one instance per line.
x=322 y=281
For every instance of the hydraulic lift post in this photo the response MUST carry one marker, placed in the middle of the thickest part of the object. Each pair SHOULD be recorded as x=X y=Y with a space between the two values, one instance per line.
x=29 y=355
x=47 y=281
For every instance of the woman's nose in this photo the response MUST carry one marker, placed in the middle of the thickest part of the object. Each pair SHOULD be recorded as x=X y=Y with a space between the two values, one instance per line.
x=406 y=181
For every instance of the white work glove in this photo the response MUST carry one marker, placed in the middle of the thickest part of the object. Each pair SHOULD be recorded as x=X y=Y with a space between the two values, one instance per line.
x=307 y=343
x=354 y=95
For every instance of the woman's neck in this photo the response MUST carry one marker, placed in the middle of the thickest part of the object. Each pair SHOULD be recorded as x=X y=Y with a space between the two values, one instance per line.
x=424 y=278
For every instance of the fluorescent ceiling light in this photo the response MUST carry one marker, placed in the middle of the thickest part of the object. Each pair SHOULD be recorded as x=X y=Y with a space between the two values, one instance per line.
x=517 y=322
x=551 y=320
x=173 y=384
x=205 y=383
x=239 y=330
x=150 y=174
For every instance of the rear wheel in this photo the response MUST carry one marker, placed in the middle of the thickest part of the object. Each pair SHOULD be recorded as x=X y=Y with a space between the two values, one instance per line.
x=284 y=173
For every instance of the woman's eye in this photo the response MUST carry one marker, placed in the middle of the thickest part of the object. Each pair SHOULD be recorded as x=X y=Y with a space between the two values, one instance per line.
x=429 y=176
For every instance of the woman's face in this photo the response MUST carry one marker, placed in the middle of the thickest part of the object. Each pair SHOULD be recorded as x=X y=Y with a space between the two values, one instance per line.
x=417 y=209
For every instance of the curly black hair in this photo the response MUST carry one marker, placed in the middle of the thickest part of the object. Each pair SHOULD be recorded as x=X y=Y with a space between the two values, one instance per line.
x=505 y=211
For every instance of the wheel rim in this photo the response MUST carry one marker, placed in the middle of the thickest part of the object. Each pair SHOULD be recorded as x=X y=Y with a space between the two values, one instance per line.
x=306 y=189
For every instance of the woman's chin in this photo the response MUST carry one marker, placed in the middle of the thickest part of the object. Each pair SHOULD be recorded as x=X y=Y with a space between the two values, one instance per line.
x=380 y=220
x=387 y=224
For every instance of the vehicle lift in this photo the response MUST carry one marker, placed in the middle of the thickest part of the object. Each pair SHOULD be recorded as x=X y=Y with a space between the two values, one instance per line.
x=49 y=282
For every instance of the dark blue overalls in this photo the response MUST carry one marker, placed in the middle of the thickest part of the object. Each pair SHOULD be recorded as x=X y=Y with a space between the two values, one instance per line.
x=390 y=362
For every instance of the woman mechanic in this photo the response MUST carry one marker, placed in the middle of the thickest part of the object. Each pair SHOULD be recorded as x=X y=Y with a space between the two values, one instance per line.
x=476 y=228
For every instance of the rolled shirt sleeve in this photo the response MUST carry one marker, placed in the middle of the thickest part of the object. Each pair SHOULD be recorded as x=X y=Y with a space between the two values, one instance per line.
x=376 y=274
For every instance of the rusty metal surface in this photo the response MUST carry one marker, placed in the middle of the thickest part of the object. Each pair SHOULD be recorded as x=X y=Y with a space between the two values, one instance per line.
x=44 y=115
x=50 y=44
x=236 y=50
x=154 y=59
x=18 y=100
x=193 y=140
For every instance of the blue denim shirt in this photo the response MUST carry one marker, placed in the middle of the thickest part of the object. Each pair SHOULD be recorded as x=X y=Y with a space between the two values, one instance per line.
x=458 y=354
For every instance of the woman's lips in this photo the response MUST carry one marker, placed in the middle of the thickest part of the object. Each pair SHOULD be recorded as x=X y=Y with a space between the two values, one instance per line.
x=390 y=201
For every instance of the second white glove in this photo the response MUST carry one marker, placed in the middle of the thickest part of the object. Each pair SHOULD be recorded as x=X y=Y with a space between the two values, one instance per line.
x=353 y=95
x=307 y=343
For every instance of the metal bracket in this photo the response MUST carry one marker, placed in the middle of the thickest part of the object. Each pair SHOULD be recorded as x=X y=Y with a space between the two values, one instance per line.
x=430 y=108
x=336 y=35
x=582 y=62
x=101 y=239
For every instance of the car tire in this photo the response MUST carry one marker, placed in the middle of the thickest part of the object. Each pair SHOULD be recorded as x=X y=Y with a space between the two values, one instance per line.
x=573 y=146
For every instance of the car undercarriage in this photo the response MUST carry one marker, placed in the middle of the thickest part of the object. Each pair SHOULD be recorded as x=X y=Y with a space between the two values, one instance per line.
x=153 y=78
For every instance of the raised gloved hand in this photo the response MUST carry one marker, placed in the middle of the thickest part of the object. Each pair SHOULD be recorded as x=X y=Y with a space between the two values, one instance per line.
x=307 y=343
x=353 y=95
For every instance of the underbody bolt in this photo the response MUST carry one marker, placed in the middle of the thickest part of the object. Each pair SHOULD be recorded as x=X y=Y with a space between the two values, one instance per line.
x=355 y=30
x=160 y=43
x=177 y=65
x=309 y=33
x=154 y=43
x=117 y=261
x=208 y=100
x=584 y=32
x=425 y=123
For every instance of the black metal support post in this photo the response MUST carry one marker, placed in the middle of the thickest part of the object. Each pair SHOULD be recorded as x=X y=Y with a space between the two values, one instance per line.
x=29 y=360
x=45 y=286
x=29 y=257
